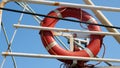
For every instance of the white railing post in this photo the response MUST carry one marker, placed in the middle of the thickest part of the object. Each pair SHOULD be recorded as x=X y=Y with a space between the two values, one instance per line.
x=66 y=4
x=2 y=4
x=64 y=30
x=58 y=57
x=103 y=19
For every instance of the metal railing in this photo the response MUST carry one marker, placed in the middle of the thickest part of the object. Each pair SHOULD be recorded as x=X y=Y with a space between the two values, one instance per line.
x=95 y=9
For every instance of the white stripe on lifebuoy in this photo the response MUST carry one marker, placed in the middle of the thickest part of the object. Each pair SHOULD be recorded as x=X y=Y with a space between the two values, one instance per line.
x=58 y=13
x=51 y=45
x=91 y=20
x=89 y=52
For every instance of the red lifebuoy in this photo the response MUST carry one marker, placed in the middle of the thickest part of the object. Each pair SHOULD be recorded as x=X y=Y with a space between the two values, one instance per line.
x=52 y=46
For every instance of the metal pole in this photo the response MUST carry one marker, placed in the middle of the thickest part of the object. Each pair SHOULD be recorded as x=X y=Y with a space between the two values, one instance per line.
x=65 y=4
x=64 y=30
x=71 y=43
x=103 y=20
x=1 y=6
x=58 y=57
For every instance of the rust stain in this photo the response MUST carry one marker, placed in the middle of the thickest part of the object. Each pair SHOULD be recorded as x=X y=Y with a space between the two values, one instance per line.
x=1 y=6
x=6 y=54
x=56 y=4
x=67 y=30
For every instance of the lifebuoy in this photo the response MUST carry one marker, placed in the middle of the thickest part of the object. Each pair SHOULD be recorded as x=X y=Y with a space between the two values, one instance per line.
x=52 y=46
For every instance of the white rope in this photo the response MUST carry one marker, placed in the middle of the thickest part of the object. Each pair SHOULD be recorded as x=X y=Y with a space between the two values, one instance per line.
x=29 y=9
x=10 y=43
x=61 y=42
x=3 y=61
x=15 y=30
x=6 y=37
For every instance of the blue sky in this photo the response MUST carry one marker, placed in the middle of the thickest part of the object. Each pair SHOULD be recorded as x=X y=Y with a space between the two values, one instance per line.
x=28 y=41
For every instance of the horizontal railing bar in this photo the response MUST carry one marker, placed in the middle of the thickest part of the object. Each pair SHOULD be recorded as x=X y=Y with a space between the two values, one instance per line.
x=66 y=4
x=58 y=57
x=64 y=30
